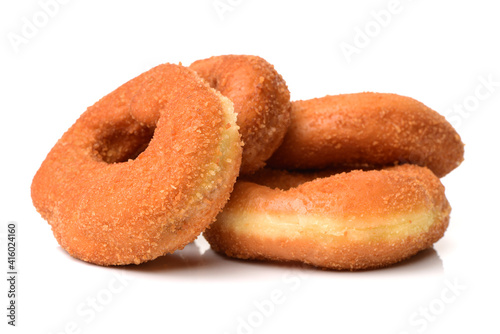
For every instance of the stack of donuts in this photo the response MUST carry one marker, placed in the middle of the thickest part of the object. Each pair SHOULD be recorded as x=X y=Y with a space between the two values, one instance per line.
x=342 y=182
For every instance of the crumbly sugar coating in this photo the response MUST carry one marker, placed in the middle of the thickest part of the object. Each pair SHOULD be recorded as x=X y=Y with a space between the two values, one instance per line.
x=261 y=100
x=347 y=221
x=369 y=130
x=143 y=171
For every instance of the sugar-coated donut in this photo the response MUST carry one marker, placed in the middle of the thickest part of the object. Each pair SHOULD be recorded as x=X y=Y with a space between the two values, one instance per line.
x=348 y=221
x=261 y=100
x=368 y=129
x=143 y=171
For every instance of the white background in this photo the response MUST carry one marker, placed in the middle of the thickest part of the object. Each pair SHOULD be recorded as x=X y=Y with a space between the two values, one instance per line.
x=439 y=52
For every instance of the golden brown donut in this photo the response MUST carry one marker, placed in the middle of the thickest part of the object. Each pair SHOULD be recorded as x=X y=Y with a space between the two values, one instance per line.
x=368 y=129
x=118 y=190
x=261 y=100
x=348 y=221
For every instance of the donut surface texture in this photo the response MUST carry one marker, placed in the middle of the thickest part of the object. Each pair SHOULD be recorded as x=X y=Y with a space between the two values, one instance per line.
x=143 y=171
x=348 y=221
x=261 y=100
x=368 y=129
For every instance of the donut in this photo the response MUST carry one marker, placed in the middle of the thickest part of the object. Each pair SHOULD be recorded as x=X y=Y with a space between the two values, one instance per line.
x=347 y=221
x=143 y=171
x=370 y=130
x=261 y=100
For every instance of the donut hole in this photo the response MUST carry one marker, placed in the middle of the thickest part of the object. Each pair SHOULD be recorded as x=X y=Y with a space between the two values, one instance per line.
x=286 y=180
x=123 y=144
x=213 y=82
